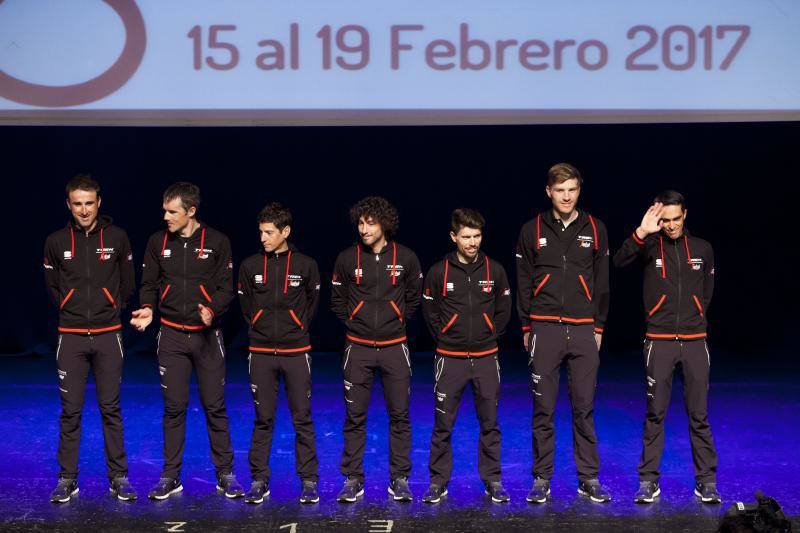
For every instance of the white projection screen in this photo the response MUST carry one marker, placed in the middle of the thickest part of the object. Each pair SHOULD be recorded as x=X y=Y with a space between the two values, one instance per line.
x=306 y=62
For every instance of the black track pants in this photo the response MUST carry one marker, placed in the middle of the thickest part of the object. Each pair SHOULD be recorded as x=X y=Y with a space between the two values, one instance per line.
x=177 y=352
x=358 y=367
x=452 y=376
x=265 y=374
x=74 y=355
x=549 y=346
x=661 y=358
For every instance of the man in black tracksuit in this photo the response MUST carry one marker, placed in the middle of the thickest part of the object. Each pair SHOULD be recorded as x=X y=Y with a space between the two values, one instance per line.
x=376 y=289
x=678 y=284
x=279 y=294
x=563 y=297
x=467 y=304
x=89 y=275
x=187 y=274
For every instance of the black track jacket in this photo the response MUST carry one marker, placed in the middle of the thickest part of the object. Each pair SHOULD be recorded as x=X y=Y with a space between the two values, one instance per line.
x=562 y=275
x=180 y=272
x=89 y=276
x=678 y=283
x=374 y=294
x=466 y=306
x=279 y=294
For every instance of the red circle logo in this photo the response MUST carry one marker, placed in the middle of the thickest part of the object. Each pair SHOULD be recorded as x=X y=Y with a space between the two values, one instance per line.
x=97 y=88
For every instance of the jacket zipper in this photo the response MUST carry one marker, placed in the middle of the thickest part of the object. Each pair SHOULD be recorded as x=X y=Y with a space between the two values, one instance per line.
x=88 y=284
x=678 y=312
x=185 y=291
x=470 y=315
x=275 y=297
x=377 y=291
x=563 y=283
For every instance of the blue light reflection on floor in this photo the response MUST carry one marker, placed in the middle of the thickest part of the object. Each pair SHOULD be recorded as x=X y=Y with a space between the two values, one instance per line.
x=755 y=425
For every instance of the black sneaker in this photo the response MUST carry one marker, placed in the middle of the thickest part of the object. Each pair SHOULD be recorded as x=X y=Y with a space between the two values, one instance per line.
x=259 y=489
x=648 y=491
x=707 y=492
x=309 y=493
x=399 y=490
x=540 y=491
x=227 y=483
x=497 y=492
x=165 y=488
x=435 y=493
x=594 y=490
x=65 y=489
x=352 y=489
x=121 y=488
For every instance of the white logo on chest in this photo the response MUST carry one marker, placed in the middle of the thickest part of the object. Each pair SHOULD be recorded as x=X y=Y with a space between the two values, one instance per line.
x=203 y=253
x=394 y=270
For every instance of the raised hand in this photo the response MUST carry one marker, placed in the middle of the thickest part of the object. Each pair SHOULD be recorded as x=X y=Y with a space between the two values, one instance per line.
x=651 y=221
x=141 y=318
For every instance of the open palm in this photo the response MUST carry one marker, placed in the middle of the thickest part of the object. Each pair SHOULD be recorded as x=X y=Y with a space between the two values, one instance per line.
x=651 y=222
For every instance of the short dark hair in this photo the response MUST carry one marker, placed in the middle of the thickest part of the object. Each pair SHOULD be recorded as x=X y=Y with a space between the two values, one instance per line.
x=561 y=172
x=379 y=209
x=466 y=218
x=670 y=197
x=189 y=193
x=276 y=213
x=83 y=182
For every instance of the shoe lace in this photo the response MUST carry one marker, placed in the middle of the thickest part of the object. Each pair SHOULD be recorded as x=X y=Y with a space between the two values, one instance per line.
x=164 y=482
x=63 y=482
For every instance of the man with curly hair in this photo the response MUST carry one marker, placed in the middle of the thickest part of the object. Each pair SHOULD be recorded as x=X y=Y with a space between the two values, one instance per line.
x=376 y=289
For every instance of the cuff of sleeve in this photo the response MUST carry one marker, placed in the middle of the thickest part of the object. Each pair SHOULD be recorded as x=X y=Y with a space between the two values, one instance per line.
x=598 y=330
x=526 y=328
x=637 y=239
x=147 y=306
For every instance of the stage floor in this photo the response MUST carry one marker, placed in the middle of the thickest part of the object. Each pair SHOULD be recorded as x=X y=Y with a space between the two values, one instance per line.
x=754 y=414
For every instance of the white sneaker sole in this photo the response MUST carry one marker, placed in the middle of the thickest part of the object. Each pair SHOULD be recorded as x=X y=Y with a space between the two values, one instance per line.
x=176 y=490
x=596 y=500
x=260 y=500
x=315 y=500
x=437 y=500
x=496 y=500
x=543 y=500
x=650 y=499
x=350 y=500
x=65 y=500
x=227 y=495
x=121 y=498
x=400 y=498
x=707 y=500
